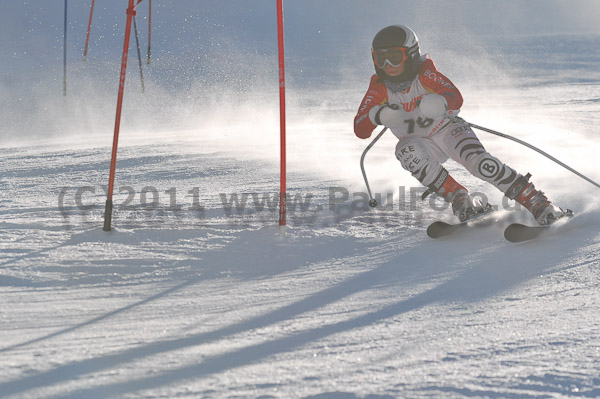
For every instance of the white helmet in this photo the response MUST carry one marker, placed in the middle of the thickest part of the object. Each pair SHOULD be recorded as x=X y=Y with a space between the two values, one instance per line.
x=393 y=44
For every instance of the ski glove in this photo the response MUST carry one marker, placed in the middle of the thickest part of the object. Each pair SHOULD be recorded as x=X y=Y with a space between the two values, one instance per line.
x=389 y=115
x=433 y=106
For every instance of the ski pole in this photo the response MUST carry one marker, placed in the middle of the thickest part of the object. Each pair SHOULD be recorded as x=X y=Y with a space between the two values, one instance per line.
x=372 y=201
x=506 y=136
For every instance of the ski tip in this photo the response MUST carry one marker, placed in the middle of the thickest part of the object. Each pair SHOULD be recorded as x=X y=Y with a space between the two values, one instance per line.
x=514 y=232
x=517 y=232
x=434 y=229
x=441 y=229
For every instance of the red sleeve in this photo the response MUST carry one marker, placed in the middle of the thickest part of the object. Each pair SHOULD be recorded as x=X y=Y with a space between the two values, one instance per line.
x=376 y=95
x=437 y=83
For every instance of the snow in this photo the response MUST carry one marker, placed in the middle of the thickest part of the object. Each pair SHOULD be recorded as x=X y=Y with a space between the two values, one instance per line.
x=174 y=303
x=191 y=296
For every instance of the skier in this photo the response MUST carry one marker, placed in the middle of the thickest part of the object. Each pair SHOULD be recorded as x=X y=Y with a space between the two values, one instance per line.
x=416 y=102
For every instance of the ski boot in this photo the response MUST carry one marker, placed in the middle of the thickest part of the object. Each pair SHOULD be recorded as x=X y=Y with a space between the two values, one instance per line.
x=464 y=206
x=536 y=202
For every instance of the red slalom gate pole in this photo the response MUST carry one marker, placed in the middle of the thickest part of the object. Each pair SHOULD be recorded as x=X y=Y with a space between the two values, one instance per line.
x=282 y=189
x=87 y=37
x=113 y=161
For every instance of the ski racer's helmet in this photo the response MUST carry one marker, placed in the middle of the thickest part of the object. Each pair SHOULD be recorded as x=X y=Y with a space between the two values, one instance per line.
x=394 y=44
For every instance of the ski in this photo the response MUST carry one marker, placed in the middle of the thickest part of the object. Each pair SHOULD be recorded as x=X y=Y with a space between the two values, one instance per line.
x=441 y=229
x=517 y=232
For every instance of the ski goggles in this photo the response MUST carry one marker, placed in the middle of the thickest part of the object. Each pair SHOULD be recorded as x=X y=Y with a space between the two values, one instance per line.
x=394 y=56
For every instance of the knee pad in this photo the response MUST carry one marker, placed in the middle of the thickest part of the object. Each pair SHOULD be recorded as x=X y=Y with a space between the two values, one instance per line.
x=412 y=155
x=415 y=158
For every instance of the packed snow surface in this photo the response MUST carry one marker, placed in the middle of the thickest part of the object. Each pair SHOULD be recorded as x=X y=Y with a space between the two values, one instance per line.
x=196 y=292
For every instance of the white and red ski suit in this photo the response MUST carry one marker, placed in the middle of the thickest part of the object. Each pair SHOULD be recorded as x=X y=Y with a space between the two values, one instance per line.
x=425 y=144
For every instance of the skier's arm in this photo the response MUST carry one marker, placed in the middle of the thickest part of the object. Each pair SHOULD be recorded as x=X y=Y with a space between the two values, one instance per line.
x=437 y=83
x=376 y=95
